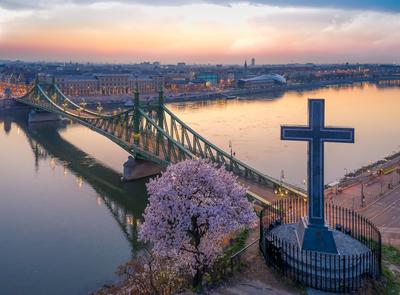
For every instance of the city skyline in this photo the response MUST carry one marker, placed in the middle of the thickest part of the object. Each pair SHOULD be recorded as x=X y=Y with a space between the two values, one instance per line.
x=201 y=32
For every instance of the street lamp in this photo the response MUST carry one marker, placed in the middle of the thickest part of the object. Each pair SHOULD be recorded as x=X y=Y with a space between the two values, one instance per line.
x=362 y=189
x=83 y=103
x=281 y=191
x=99 y=107
x=65 y=104
x=231 y=152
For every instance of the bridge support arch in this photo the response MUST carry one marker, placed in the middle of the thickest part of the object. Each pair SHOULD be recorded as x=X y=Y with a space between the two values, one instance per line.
x=135 y=168
x=36 y=116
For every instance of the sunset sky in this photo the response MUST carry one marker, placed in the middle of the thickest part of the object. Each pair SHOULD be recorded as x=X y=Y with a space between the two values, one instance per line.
x=198 y=31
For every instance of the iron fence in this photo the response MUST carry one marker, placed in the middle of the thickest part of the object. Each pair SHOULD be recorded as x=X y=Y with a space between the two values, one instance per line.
x=324 y=271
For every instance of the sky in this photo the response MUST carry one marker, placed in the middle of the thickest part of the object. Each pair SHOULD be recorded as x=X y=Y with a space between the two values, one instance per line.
x=201 y=31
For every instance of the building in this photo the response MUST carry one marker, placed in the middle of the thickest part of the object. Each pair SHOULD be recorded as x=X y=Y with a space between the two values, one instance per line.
x=253 y=62
x=105 y=84
x=10 y=89
x=146 y=85
x=209 y=78
x=78 y=85
x=114 y=84
x=263 y=81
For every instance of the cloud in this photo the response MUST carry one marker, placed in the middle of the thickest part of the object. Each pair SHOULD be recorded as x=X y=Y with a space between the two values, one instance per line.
x=200 y=33
x=383 y=5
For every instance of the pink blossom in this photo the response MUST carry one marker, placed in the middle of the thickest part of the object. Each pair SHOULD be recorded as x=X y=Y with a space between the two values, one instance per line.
x=193 y=205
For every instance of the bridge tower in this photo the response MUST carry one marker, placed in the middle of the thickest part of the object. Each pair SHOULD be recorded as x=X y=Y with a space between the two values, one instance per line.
x=160 y=117
x=160 y=109
x=134 y=167
x=36 y=115
x=136 y=114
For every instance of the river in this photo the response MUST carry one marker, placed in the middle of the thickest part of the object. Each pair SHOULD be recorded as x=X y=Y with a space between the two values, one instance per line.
x=67 y=221
x=253 y=127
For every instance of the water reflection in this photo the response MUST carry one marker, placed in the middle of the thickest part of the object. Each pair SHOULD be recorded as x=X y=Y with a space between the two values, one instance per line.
x=125 y=201
x=66 y=219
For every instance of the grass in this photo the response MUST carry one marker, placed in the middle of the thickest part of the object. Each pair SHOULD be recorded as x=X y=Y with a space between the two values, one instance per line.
x=238 y=243
x=392 y=282
x=220 y=269
x=389 y=283
x=391 y=260
x=391 y=254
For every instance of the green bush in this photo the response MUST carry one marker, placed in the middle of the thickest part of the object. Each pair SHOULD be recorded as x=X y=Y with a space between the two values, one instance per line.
x=222 y=267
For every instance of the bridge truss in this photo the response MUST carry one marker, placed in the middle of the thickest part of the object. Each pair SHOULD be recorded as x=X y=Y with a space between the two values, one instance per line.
x=148 y=131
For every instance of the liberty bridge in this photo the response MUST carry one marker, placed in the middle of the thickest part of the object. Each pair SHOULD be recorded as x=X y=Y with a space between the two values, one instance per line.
x=152 y=132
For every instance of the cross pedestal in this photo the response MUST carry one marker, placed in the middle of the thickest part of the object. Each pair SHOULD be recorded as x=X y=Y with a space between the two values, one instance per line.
x=312 y=232
x=315 y=237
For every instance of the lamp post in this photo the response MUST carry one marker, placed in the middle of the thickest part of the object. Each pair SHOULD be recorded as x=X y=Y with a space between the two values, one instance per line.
x=280 y=190
x=362 y=189
x=83 y=104
x=99 y=108
x=65 y=104
x=231 y=152
x=381 y=180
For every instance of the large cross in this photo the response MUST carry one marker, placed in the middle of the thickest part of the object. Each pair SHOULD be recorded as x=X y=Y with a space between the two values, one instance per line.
x=316 y=134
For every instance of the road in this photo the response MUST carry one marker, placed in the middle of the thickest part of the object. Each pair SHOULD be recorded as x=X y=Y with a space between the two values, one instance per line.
x=381 y=202
x=385 y=213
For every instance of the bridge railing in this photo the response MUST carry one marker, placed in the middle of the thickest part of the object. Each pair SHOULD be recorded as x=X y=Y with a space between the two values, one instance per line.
x=58 y=92
x=162 y=143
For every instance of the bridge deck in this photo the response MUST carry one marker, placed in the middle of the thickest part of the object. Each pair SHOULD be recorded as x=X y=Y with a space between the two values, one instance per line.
x=264 y=192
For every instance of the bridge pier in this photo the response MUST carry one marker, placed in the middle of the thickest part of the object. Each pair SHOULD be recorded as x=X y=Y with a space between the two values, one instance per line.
x=36 y=116
x=137 y=168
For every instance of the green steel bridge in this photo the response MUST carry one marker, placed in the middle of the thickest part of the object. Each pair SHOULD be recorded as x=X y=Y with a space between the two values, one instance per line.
x=150 y=131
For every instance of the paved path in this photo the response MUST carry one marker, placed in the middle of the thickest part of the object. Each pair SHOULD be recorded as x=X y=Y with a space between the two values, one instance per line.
x=249 y=287
x=262 y=191
x=257 y=278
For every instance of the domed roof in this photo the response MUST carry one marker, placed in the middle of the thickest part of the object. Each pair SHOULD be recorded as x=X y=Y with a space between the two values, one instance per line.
x=269 y=77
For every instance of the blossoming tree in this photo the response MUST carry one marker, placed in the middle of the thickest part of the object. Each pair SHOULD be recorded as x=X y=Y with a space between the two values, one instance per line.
x=193 y=206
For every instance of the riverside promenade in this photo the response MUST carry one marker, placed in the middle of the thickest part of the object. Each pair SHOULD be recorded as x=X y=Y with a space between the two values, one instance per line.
x=374 y=193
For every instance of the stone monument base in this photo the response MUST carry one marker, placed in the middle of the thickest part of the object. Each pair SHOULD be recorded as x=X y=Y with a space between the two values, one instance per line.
x=328 y=271
x=314 y=238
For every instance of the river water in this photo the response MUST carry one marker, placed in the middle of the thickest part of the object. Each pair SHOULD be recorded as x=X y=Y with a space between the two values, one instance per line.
x=66 y=220
x=253 y=127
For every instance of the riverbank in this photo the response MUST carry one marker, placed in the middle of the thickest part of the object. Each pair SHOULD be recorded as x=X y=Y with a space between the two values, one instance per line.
x=275 y=90
x=278 y=90
x=368 y=173
x=9 y=104
x=374 y=192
